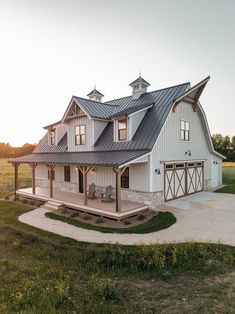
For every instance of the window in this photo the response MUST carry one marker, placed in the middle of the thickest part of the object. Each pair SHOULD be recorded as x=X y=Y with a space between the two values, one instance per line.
x=80 y=138
x=122 y=130
x=184 y=130
x=67 y=173
x=53 y=175
x=125 y=179
x=52 y=137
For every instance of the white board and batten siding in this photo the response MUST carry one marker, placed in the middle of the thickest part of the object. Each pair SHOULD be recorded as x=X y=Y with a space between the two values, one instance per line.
x=93 y=129
x=169 y=146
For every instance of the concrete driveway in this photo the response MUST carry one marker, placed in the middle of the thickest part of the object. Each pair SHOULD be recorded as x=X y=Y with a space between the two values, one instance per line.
x=202 y=217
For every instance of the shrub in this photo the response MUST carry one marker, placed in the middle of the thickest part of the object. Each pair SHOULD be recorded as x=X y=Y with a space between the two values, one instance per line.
x=32 y=202
x=6 y=197
x=99 y=220
x=107 y=288
x=126 y=222
x=140 y=216
x=73 y=215
x=24 y=201
x=87 y=217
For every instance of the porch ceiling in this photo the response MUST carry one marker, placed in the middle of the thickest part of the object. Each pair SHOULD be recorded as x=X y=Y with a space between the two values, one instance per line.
x=105 y=159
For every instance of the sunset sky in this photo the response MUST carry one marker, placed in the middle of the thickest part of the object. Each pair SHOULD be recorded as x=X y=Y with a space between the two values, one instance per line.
x=53 y=49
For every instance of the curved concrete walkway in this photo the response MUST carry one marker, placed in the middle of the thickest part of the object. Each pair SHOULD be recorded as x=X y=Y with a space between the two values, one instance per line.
x=202 y=217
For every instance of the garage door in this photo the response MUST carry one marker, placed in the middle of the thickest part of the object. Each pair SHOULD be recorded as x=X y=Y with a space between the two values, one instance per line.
x=183 y=179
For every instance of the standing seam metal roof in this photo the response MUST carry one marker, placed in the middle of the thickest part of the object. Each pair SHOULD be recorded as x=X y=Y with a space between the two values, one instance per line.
x=146 y=134
x=152 y=123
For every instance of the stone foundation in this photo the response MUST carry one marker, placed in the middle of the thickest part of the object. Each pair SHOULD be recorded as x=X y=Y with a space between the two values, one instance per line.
x=151 y=199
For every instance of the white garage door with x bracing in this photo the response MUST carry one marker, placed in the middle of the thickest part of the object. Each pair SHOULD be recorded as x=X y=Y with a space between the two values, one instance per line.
x=182 y=179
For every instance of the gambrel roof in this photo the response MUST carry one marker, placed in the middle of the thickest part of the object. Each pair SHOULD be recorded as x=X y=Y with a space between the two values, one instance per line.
x=106 y=151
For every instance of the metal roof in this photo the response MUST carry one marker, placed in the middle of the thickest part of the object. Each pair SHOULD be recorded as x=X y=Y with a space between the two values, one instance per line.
x=44 y=147
x=152 y=123
x=105 y=159
x=95 y=109
x=130 y=110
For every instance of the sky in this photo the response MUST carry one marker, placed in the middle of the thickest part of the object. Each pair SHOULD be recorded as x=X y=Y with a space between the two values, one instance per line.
x=53 y=49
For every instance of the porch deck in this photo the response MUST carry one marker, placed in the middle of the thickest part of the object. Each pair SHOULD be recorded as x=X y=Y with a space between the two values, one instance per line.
x=75 y=201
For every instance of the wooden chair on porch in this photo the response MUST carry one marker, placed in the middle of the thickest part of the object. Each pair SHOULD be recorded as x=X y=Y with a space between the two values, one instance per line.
x=91 y=191
x=107 y=195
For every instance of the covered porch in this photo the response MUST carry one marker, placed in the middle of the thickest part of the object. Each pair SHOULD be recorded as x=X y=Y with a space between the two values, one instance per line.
x=118 y=208
x=93 y=206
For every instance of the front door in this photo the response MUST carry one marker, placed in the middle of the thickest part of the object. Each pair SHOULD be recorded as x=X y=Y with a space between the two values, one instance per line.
x=80 y=181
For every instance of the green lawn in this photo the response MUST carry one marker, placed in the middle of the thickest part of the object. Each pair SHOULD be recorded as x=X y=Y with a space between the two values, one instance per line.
x=44 y=273
x=162 y=221
x=228 y=178
x=7 y=177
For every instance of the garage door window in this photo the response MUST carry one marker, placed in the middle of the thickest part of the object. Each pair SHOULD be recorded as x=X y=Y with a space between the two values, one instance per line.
x=184 y=130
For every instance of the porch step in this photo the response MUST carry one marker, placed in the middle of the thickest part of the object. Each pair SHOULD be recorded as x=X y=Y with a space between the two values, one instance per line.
x=53 y=205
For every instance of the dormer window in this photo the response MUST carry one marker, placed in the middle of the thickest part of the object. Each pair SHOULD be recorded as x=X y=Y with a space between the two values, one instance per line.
x=80 y=136
x=122 y=130
x=52 y=137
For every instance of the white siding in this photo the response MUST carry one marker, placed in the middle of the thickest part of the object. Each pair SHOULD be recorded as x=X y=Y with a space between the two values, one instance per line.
x=71 y=134
x=60 y=132
x=135 y=120
x=170 y=147
x=139 y=177
x=41 y=172
x=97 y=128
x=102 y=177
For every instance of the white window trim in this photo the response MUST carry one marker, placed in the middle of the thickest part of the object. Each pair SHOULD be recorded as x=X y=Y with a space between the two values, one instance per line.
x=185 y=141
x=116 y=130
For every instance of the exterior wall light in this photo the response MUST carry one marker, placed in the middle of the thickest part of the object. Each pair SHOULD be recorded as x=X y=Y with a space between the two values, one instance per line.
x=158 y=171
x=188 y=152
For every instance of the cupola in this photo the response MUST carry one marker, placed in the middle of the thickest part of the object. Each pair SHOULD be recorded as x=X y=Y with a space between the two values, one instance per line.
x=95 y=95
x=139 y=87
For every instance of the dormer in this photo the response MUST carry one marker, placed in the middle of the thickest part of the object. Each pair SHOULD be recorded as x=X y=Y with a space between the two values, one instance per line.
x=139 y=87
x=95 y=95
x=127 y=122
x=55 y=132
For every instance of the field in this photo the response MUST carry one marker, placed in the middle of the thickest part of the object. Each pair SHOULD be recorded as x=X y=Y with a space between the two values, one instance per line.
x=7 y=177
x=45 y=273
x=228 y=178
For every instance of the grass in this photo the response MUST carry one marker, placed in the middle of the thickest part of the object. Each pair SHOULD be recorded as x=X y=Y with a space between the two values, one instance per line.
x=41 y=272
x=228 y=178
x=161 y=221
x=7 y=177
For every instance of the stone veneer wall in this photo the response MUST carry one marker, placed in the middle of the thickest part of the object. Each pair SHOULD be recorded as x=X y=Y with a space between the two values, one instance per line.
x=151 y=199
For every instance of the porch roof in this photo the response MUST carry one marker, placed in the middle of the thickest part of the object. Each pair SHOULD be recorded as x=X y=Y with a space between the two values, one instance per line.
x=104 y=159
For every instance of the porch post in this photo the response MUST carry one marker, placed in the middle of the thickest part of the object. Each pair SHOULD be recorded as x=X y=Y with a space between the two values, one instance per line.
x=33 y=177
x=51 y=168
x=118 y=172
x=16 y=166
x=84 y=170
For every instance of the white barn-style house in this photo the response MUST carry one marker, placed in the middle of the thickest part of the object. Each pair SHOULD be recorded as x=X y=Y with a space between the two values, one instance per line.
x=151 y=147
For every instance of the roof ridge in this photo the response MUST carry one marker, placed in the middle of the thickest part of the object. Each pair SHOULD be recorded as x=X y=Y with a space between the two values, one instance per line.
x=98 y=102
x=157 y=90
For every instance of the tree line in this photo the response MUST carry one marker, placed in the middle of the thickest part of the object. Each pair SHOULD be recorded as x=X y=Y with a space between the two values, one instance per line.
x=224 y=145
x=6 y=150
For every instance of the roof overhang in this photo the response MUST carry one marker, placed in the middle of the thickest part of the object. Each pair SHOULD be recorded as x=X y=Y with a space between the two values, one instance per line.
x=192 y=95
x=132 y=110
x=51 y=126
x=94 y=158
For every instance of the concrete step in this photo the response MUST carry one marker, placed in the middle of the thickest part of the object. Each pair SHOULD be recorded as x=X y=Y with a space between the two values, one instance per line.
x=52 y=205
